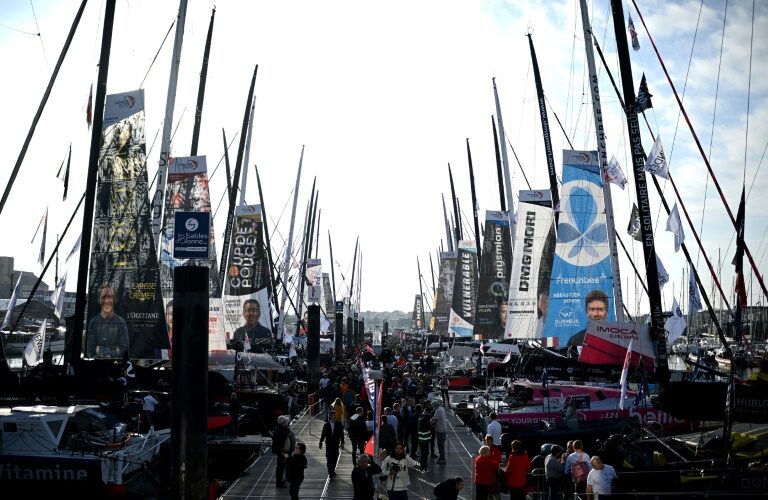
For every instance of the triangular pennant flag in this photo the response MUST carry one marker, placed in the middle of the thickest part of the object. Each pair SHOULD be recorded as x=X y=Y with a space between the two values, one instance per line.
x=694 y=299
x=41 y=254
x=633 y=34
x=614 y=173
x=33 y=352
x=656 y=163
x=58 y=297
x=675 y=226
x=643 y=99
x=625 y=374
x=675 y=324
x=12 y=302
x=89 y=108
x=66 y=173
x=75 y=248
x=633 y=229
x=663 y=276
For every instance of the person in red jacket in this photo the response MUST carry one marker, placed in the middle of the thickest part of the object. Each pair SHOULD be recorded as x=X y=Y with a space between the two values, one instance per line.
x=518 y=466
x=485 y=473
x=495 y=450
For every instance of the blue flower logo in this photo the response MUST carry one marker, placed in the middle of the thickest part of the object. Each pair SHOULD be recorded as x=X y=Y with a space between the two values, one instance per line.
x=582 y=235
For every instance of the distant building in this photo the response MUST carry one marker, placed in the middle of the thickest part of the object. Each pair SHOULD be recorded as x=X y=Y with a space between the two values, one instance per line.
x=9 y=276
x=41 y=306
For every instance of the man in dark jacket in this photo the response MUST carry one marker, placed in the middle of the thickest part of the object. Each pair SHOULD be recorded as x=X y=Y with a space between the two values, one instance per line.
x=413 y=430
x=449 y=489
x=281 y=446
x=362 y=478
x=387 y=435
x=357 y=431
x=294 y=469
x=333 y=432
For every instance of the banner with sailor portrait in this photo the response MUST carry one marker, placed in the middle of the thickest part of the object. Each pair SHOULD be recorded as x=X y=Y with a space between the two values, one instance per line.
x=493 y=288
x=581 y=267
x=444 y=294
x=531 y=266
x=461 y=319
x=125 y=308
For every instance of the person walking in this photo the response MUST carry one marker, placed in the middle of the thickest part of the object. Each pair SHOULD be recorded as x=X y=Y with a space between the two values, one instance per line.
x=518 y=465
x=294 y=469
x=444 y=385
x=148 y=407
x=362 y=478
x=600 y=478
x=495 y=450
x=485 y=473
x=395 y=473
x=494 y=428
x=413 y=430
x=339 y=411
x=387 y=435
x=357 y=431
x=553 y=470
x=333 y=433
x=425 y=436
x=441 y=429
x=281 y=444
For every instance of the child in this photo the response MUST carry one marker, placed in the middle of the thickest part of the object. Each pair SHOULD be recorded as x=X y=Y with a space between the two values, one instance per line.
x=294 y=467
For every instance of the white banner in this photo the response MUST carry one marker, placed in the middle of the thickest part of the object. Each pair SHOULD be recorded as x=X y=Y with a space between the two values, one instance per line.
x=656 y=163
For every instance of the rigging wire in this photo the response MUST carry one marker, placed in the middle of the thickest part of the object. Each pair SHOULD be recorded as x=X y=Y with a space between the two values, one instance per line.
x=40 y=37
x=18 y=30
x=141 y=85
x=712 y=130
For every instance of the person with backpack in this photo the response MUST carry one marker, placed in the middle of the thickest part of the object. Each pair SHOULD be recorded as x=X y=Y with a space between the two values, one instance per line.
x=577 y=466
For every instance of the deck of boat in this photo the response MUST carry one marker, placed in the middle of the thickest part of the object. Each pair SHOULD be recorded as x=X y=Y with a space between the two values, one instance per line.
x=258 y=481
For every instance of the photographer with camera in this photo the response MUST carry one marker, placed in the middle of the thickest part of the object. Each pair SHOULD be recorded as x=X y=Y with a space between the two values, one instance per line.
x=395 y=473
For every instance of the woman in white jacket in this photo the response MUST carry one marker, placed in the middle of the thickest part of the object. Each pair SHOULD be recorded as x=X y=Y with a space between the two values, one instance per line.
x=395 y=475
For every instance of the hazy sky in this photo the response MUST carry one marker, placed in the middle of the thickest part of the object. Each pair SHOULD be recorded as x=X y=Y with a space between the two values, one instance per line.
x=384 y=95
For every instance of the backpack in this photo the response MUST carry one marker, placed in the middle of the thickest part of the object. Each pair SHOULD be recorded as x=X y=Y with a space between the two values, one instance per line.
x=579 y=471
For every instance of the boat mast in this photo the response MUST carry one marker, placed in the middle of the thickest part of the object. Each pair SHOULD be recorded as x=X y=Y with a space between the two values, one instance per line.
x=641 y=189
x=350 y=326
x=602 y=158
x=76 y=345
x=421 y=292
x=268 y=245
x=448 y=236
x=288 y=249
x=201 y=88
x=474 y=204
x=165 y=144
x=505 y=163
x=235 y=181
x=304 y=256
x=247 y=155
x=498 y=166
x=545 y=130
x=457 y=221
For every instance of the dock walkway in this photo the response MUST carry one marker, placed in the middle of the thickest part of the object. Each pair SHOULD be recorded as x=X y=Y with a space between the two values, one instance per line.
x=258 y=481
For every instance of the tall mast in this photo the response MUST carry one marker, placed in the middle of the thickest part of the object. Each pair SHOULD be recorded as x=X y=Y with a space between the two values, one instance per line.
x=457 y=220
x=602 y=158
x=352 y=282
x=545 y=130
x=247 y=155
x=165 y=144
x=235 y=182
x=333 y=272
x=641 y=188
x=90 y=186
x=421 y=289
x=304 y=255
x=432 y=272
x=288 y=249
x=448 y=236
x=499 y=172
x=201 y=87
x=317 y=239
x=474 y=203
x=505 y=160
x=268 y=245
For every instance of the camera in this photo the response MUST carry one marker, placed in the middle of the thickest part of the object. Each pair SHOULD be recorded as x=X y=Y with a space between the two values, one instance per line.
x=394 y=468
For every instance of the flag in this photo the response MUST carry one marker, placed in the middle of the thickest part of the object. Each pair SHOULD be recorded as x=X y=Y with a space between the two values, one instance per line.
x=643 y=99
x=33 y=352
x=624 y=374
x=694 y=299
x=675 y=226
x=633 y=229
x=614 y=173
x=75 y=248
x=675 y=324
x=656 y=163
x=66 y=173
x=89 y=108
x=12 y=302
x=633 y=34
x=58 y=297
x=41 y=254
x=738 y=262
x=663 y=276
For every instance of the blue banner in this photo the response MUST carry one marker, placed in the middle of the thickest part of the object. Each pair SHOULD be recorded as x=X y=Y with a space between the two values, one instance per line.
x=581 y=284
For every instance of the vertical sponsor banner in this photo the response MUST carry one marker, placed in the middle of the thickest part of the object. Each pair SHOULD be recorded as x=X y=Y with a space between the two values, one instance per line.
x=493 y=289
x=531 y=266
x=314 y=278
x=329 y=311
x=444 y=294
x=246 y=286
x=417 y=318
x=582 y=265
x=125 y=308
x=462 y=316
x=187 y=191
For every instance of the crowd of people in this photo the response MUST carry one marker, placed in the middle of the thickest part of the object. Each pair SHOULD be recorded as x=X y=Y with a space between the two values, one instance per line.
x=413 y=432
